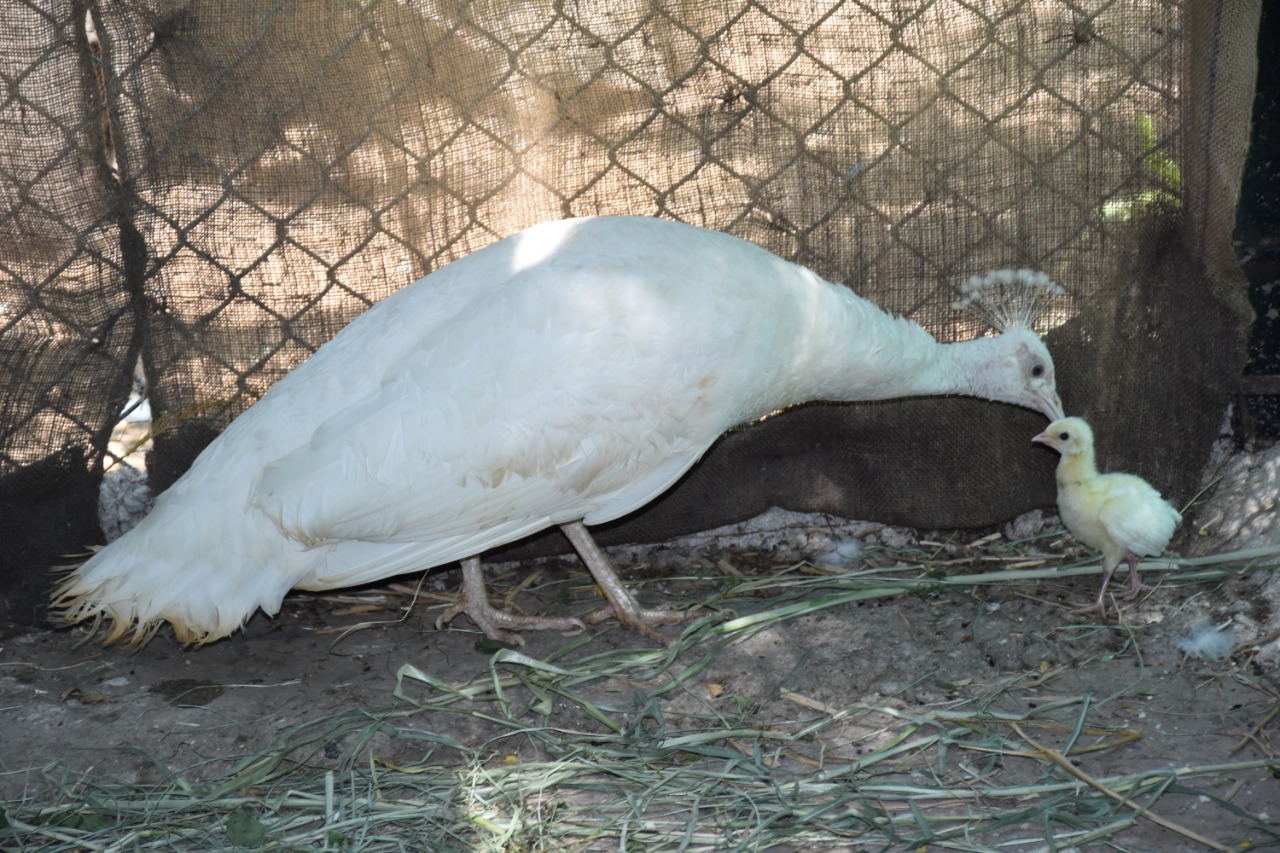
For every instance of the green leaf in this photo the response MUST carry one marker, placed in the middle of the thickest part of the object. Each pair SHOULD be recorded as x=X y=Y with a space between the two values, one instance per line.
x=244 y=829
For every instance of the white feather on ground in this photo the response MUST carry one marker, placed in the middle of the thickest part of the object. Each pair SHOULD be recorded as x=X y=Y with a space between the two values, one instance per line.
x=1207 y=642
x=568 y=374
x=1120 y=515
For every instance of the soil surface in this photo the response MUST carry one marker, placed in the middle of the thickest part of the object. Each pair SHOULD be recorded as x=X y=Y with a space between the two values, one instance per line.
x=71 y=709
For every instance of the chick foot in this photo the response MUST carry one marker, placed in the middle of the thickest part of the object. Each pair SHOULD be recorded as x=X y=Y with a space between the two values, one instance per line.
x=1135 y=587
x=474 y=602
x=1099 y=607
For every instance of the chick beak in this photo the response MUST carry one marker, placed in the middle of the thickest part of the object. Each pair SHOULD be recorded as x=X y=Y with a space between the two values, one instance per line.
x=1043 y=437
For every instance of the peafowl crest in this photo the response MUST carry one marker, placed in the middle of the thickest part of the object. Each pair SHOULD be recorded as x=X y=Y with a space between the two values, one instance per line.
x=1007 y=298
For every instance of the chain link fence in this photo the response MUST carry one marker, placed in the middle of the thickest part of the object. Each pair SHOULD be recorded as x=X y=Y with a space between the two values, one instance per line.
x=209 y=190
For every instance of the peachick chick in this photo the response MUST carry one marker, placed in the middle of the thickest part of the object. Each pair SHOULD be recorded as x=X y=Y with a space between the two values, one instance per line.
x=1119 y=514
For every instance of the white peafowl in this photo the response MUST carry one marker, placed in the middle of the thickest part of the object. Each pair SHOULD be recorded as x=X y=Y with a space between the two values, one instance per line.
x=564 y=376
x=1119 y=514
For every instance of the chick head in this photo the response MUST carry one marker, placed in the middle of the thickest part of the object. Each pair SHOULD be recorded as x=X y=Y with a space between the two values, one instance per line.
x=1068 y=436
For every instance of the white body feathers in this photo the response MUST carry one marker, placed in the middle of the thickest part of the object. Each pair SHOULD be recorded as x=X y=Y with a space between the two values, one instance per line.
x=1118 y=514
x=573 y=371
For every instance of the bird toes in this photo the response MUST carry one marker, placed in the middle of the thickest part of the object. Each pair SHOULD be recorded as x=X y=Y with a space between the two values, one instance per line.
x=494 y=622
x=1100 y=606
x=1135 y=589
x=642 y=621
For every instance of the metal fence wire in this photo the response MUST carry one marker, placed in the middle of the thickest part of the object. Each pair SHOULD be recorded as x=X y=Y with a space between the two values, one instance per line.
x=204 y=192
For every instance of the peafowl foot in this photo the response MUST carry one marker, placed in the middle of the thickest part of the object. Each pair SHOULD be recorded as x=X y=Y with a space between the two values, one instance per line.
x=641 y=620
x=621 y=605
x=474 y=602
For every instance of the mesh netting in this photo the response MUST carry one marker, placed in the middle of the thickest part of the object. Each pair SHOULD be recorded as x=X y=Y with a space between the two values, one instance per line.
x=216 y=187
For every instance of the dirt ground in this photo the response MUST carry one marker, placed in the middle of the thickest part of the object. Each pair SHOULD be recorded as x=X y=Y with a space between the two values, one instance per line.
x=70 y=709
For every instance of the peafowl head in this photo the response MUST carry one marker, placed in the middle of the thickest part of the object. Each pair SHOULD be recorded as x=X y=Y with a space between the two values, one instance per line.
x=1014 y=367
x=1018 y=369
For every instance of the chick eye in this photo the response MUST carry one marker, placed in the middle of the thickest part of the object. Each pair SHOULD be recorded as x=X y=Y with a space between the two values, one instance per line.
x=1063 y=436
x=1037 y=371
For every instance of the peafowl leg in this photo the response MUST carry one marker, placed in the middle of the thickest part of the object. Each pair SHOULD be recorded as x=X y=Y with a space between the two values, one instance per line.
x=621 y=604
x=474 y=601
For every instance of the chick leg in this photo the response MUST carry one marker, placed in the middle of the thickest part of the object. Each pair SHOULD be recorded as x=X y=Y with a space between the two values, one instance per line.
x=621 y=604
x=1135 y=585
x=474 y=601
x=1099 y=606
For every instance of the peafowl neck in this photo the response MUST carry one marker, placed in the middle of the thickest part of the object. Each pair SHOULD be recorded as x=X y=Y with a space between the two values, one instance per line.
x=900 y=359
x=849 y=349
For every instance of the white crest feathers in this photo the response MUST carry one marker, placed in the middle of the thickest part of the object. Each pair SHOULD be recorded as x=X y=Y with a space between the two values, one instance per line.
x=1008 y=298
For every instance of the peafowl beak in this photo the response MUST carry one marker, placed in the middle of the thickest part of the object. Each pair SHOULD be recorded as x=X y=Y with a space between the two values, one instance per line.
x=1043 y=437
x=1051 y=405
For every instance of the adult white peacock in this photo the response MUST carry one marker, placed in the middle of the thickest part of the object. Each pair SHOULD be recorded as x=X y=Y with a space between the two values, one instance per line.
x=564 y=376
